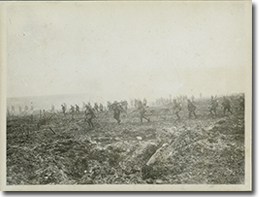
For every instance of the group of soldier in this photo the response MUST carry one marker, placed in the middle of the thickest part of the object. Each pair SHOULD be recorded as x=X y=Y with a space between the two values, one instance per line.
x=116 y=108
x=214 y=103
x=11 y=110
x=141 y=107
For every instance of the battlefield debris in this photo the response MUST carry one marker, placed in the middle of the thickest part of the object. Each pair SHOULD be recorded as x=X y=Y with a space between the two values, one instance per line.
x=87 y=146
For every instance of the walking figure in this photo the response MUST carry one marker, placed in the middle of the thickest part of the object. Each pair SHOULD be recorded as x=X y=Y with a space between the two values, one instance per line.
x=213 y=106
x=96 y=107
x=226 y=105
x=177 y=108
x=117 y=110
x=77 y=108
x=72 y=109
x=191 y=108
x=63 y=107
x=143 y=111
x=89 y=115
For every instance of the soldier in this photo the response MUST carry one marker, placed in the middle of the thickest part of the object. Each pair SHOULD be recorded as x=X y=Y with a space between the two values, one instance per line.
x=109 y=106
x=142 y=110
x=77 y=108
x=117 y=110
x=31 y=111
x=213 y=106
x=44 y=115
x=63 y=109
x=125 y=104
x=89 y=115
x=191 y=108
x=177 y=108
x=96 y=107
x=226 y=105
x=65 y=106
x=72 y=109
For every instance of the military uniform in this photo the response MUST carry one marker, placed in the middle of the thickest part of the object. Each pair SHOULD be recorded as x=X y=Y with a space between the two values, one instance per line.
x=177 y=108
x=213 y=106
x=63 y=109
x=77 y=108
x=226 y=105
x=96 y=107
x=72 y=109
x=117 y=111
x=142 y=111
x=191 y=108
x=89 y=115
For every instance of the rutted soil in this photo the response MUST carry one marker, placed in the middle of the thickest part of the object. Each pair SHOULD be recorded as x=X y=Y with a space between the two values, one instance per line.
x=206 y=150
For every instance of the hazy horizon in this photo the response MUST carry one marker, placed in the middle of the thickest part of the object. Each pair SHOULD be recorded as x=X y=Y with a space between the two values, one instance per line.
x=46 y=101
x=126 y=50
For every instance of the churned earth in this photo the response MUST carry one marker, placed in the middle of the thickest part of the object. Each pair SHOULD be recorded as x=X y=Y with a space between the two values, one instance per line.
x=206 y=150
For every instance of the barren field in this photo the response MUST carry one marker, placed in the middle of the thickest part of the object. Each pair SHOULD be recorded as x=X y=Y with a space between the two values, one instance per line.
x=206 y=150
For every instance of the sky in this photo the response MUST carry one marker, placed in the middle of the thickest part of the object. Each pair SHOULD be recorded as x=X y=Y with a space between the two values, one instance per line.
x=122 y=50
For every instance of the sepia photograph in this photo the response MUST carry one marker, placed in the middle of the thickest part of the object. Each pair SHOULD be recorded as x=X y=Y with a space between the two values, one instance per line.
x=126 y=96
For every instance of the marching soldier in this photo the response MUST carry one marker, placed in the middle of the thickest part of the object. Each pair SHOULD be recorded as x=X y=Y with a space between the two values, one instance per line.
x=31 y=111
x=109 y=106
x=117 y=110
x=191 y=108
x=63 y=107
x=226 y=105
x=177 y=108
x=96 y=107
x=89 y=115
x=44 y=115
x=72 y=109
x=77 y=108
x=213 y=106
x=142 y=110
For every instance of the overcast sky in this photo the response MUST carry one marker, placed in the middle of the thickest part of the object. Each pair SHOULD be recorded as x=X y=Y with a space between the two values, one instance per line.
x=117 y=50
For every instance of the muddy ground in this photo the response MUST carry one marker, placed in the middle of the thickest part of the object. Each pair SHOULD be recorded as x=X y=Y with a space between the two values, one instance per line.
x=206 y=150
